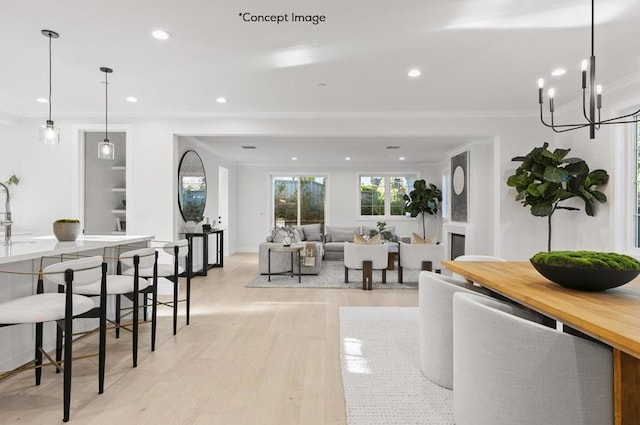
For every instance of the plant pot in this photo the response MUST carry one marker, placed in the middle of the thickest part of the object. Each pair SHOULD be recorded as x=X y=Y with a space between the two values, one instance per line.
x=67 y=232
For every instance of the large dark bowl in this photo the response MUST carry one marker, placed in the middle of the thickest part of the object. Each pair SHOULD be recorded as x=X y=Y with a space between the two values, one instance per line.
x=585 y=279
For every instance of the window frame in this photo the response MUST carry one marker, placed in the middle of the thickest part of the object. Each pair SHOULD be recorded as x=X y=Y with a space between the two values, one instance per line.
x=387 y=194
x=298 y=176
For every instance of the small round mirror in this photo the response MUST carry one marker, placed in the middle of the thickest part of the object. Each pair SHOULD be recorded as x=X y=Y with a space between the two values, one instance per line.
x=192 y=187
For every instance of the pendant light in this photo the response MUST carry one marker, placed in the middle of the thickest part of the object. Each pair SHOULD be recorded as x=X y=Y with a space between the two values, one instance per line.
x=49 y=134
x=106 y=150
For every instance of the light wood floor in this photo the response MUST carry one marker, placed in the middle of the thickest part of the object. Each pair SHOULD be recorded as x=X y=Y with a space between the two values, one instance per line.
x=250 y=356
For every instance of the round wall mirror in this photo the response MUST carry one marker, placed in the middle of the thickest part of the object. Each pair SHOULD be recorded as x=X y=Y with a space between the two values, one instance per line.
x=192 y=187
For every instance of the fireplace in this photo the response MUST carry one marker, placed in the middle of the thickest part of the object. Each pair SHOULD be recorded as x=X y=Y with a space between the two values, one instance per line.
x=457 y=245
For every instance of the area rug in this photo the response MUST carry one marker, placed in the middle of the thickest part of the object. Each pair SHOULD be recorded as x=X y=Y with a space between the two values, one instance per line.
x=332 y=276
x=381 y=374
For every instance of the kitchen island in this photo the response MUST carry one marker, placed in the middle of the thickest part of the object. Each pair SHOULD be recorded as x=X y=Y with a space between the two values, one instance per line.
x=19 y=264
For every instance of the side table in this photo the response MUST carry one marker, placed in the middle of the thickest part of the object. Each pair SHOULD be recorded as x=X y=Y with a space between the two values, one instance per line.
x=293 y=249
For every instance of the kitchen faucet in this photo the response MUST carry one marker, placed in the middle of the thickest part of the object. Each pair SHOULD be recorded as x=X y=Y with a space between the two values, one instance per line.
x=7 y=217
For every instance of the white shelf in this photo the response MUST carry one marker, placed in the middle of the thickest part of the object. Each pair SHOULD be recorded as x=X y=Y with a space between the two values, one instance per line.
x=118 y=232
x=119 y=211
x=118 y=167
x=118 y=189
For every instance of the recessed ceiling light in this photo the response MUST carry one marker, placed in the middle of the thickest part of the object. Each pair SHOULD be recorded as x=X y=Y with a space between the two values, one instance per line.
x=132 y=99
x=294 y=158
x=161 y=35
x=221 y=99
x=392 y=147
x=322 y=85
x=402 y=158
x=42 y=100
x=248 y=147
x=414 y=73
x=558 y=72
x=347 y=158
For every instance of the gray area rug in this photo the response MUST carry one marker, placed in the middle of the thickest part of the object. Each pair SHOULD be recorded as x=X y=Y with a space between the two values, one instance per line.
x=332 y=276
x=380 y=363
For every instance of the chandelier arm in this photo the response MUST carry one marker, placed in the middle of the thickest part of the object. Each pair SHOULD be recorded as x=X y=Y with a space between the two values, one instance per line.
x=621 y=122
x=576 y=127
x=612 y=120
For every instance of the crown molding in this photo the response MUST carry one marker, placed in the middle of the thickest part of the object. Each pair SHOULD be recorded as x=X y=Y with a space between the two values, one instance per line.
x=363 y=115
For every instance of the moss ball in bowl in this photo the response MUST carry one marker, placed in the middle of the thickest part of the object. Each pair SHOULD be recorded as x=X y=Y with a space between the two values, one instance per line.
x=586 y=270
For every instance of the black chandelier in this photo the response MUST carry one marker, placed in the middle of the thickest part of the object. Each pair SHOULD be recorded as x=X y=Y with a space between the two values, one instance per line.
x=594 y=96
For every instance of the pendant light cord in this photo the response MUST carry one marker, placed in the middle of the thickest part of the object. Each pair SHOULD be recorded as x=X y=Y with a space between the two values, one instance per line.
x=49 y=77
x=592 y=26
x=106 y=106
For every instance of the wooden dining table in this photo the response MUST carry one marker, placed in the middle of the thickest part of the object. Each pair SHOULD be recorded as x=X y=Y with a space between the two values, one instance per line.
x=611 y=316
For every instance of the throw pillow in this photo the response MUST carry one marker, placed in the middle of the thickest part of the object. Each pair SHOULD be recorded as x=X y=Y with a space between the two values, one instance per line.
x=300 y=231
x=339 y=235
x=417 y=239
x=373 y=240
x=296 y=236
x=312 y=232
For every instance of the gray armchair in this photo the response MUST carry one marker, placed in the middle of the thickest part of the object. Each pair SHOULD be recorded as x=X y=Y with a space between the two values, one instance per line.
x=509 y=370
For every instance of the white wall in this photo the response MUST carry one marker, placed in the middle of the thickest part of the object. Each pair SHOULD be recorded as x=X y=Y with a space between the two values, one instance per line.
x=47 y=172
x=342 y=193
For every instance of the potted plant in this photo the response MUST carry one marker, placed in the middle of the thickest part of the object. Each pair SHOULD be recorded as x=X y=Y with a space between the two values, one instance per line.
x=423 y=199
x=586 y=270
x=384 y=233
x=545 y=178
x=67 y=229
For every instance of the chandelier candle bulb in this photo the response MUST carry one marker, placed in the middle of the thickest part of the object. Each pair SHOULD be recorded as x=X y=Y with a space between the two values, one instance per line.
x=540 y=89
x=599 y=96
x=552 y=93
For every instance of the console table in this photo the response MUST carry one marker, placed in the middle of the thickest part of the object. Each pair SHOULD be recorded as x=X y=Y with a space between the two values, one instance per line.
x=206 y=266
x=610 y=316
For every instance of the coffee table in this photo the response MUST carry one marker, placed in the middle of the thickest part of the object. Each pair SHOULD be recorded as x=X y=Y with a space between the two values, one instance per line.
x=293 y=250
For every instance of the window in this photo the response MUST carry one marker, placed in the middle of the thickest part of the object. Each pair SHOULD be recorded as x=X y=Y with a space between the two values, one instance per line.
x=382 y=195
x=298 y=200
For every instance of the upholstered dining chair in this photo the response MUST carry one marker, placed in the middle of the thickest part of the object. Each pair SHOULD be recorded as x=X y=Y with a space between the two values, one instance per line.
x=367 y=258
x=435 y=324
x=419 y=256
x=62 y=307
x=473 y=257
x=172 y=272
x=131 y=286
x=509 y=370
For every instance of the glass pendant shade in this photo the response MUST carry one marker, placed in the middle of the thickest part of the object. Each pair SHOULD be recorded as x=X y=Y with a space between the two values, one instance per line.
x=106 y=150
x=49 y=134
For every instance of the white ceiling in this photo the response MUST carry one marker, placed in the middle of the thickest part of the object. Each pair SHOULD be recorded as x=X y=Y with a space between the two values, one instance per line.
x=475 y=56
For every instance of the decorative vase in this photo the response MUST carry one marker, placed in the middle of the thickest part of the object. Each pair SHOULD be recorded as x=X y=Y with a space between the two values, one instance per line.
x=67 y=232
x=286 y=240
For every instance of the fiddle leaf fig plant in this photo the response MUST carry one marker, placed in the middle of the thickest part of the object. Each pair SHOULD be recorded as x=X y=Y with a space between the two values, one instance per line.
x=545 y=179
x=423 y=199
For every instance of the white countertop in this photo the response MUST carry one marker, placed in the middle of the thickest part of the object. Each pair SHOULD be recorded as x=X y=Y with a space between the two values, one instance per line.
x=28 y=248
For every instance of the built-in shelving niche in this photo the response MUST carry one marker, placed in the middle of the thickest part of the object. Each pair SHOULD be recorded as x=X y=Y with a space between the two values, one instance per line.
x=105 y=187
